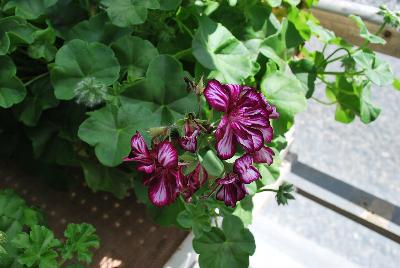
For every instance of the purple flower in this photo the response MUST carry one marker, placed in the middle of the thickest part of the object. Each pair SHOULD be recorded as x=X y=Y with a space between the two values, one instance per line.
x=194 y=181
x=231 y=189
x=244 y=168
x=189 y=141
x=164 y=174
x=245 y=120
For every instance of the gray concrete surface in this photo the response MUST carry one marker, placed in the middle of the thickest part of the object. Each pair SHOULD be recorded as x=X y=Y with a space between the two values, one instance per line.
x=366 y=156
x=393 y=4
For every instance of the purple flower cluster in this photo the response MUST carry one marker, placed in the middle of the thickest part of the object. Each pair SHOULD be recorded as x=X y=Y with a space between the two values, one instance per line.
x=164 y=176
x=245 y=122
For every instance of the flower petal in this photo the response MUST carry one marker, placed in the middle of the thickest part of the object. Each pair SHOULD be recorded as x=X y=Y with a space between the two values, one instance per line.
x=231 y=190
x=251 y=139
x=268 y=133
x=225 y=139
x=243 y=166
x=167 y=155
x=264 y=155
x=234 y=92
x=217 y=96
x=160 y=192
x=189 y=143
x=140 y=154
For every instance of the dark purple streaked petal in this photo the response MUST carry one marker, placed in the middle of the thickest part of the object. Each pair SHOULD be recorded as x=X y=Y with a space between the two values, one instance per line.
x=268 y=133
x=264 y=155
x=217 y=96
x=251 y=139
x=234 y=92
x=167 y=155
x=189 y=143
x=160 y=192
x=140 y=154
x=243 y=166
x=225 y=139
x=231 y=190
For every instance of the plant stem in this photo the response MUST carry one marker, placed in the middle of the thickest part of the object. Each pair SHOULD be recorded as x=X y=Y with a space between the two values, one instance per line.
x=183 y=53
x=35 y=78
x=267 y=190
x=337 y=58
x=184 y=27
x=366 y=43
x=324 y=102
x=336 y=73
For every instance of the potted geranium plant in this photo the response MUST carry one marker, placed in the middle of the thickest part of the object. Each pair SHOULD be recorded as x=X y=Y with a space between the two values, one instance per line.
x=194 y=96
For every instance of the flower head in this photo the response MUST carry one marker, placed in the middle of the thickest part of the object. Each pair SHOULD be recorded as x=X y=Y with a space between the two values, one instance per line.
x=244 y=168
x=189 y=141
x=194 y=181
x=231 y=189
x=245 y=120
x=164 y=175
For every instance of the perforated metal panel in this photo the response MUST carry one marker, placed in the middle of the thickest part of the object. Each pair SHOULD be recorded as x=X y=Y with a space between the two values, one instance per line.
x=126 y=233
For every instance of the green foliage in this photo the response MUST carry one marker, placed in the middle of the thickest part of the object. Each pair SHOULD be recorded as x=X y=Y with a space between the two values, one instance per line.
x=12 y=90
x=217 y=49
x=230 y=246
x=26 y=242
x=81 y=238
x=74 y=65
x=38 y=247
x=283 y=195
x=195 y=217
x=364 y=33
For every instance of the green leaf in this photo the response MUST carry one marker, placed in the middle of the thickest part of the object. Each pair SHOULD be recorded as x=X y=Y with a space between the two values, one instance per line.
x=167 y=216
x=31 y=9
x=12 y=91
x=283 y=42
x=81 y=239
x=306 y=72
x=243 y=210
x=229 y=247
x=14 y=31
x=376 y=69
x=368 y=112
x=217 y=49
x=3 y=240
x=364 y=33
x=110 y=130
x=134 y=55
x=323 y=34
x=41 y=98
x=101 y=178
x=211 y=162
x=163 y=91
x=292 y=2
x=38 y=248
x=274 y=3
x=124 y=13
x=169 y=4
x=344 y=115
x=43 y=46
x=284 y=193
x=285 y=92
x=195 y=217
x=97 y=29
x=396 y=84
x=74 y=63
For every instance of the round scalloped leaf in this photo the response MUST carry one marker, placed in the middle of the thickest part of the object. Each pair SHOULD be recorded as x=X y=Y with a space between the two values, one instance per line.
x=216 y=48
x=12 y=90
x=229 y=247
x=79 y=61
x=134 y=55
x=31 y=9
x=124 y=13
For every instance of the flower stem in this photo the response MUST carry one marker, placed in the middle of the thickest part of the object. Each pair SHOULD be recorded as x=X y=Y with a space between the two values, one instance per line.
x=336 y=73
x=35 y=78
x=323 y=102
x=183 y=53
